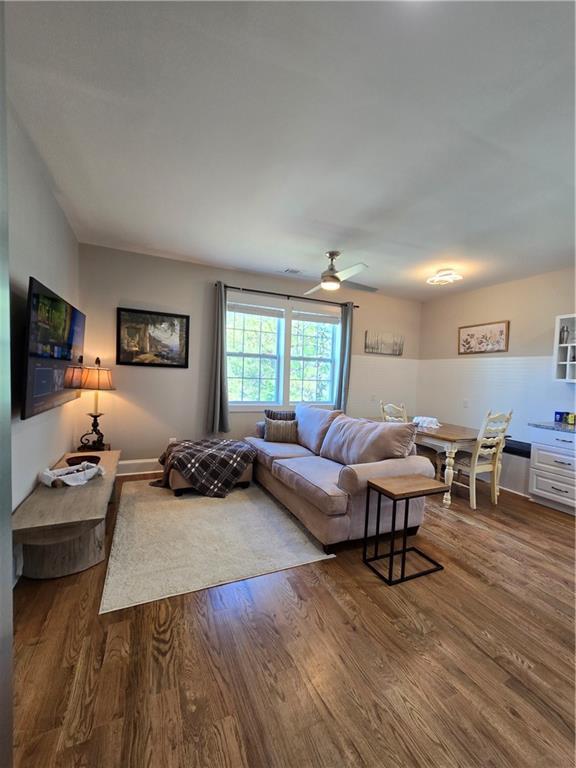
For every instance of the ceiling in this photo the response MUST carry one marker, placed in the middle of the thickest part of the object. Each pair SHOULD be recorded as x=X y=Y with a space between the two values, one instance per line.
x=409 y=135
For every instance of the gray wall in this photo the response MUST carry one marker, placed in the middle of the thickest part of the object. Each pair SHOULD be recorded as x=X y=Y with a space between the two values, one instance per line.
x=5 y=495
x=152 y=405
x=43 y=245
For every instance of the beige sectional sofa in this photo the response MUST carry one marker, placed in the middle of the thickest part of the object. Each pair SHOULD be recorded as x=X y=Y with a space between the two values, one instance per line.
x=322 y=479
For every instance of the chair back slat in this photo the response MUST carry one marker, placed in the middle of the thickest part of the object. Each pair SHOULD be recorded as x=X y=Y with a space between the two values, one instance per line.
x=492 y=436
x=391 y=412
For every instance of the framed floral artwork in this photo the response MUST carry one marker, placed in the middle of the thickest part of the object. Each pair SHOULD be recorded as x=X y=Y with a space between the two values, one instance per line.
x=482 y=338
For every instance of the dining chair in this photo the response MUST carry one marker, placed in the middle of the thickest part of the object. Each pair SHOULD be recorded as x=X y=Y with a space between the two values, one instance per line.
x=391 y=412
x=486 y=455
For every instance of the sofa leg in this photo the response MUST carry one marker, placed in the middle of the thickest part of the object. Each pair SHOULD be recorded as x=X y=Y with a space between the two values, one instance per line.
x=178 y=492
x=328 y=549
x=245 y=484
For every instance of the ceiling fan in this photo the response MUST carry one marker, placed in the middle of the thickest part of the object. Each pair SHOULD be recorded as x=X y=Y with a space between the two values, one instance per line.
x=331 y=278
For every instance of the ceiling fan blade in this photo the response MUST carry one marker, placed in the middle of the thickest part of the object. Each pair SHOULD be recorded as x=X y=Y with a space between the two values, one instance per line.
x=344 y=274
x=313 y=290
x=360 y=287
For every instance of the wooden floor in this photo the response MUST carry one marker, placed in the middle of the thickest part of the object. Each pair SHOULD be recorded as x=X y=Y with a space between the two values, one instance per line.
x=321 y=665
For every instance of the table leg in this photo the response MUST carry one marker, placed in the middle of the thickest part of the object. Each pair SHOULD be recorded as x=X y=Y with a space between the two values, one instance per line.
x=449 y=475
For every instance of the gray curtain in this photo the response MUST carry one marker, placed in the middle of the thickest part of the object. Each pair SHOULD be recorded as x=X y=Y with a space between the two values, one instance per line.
x=218 y=417
x=343 y=382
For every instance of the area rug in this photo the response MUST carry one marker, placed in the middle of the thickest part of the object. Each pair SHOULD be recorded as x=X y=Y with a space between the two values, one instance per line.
x=165 y=546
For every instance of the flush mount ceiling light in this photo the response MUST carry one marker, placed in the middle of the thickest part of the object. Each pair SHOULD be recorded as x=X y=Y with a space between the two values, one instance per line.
x=444 y=277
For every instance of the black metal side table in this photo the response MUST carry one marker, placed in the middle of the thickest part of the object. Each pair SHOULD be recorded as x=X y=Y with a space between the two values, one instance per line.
x=398 y=489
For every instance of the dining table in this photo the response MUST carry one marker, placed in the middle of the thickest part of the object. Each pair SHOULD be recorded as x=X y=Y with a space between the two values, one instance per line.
x=448 y=439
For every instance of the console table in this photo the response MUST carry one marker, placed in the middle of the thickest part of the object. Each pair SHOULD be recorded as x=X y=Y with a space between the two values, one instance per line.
x=62 y=530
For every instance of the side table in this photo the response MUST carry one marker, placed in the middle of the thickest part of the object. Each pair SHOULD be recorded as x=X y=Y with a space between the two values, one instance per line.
x=398 y=489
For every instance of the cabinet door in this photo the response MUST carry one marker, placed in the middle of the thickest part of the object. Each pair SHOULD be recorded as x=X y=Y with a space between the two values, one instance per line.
x=554 y=487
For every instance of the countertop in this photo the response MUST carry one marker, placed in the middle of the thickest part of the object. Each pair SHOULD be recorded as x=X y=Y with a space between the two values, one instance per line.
x=556 y=426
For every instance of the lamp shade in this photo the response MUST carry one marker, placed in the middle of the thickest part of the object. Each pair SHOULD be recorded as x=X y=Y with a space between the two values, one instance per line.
x=96 y=378
x=73 y=377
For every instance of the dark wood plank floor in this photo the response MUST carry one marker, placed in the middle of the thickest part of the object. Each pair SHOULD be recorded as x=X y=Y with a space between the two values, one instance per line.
x=321 y=665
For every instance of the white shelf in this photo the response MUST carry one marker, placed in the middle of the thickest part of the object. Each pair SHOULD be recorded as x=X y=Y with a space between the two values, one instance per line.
x=564 y=365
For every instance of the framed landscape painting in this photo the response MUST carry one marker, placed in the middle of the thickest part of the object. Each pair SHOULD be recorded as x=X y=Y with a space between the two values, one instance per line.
x=153 y=339
x=486 y=337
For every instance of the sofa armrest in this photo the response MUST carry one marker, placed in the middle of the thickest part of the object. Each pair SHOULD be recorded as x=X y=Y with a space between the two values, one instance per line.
x=354 y=477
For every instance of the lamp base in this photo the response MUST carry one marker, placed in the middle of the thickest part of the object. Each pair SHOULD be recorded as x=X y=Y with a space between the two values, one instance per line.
x=97 y=443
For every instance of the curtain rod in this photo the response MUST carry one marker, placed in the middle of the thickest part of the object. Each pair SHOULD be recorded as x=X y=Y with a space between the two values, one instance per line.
x=286 y=296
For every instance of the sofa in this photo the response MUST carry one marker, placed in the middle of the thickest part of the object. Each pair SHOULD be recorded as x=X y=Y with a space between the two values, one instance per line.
x=322 y=478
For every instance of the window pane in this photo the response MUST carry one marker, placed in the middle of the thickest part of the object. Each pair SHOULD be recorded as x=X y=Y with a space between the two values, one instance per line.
x=251 y=367
x=235 y=365
x=250 y=390
x=268 y=390
x=295 y=391
x=235 y=389
x=269 y=343
x=267 y=368
x=252 y=342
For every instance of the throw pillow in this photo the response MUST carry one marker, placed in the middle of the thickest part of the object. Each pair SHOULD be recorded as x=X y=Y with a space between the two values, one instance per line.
x=313 y=423
x=279 y=415
x=277 y=431
x=359 y=441
x=260 y=428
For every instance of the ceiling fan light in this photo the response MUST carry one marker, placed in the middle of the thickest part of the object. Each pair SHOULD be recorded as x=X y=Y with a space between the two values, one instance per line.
x=330 y=283
x=444 y=277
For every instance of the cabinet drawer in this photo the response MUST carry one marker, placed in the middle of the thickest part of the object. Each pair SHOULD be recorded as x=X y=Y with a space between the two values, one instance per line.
x=555 y=487
x=548 y=458
x=565 y=441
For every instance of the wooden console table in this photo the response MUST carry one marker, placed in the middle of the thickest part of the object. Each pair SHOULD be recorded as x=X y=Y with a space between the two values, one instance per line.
x=62 y=530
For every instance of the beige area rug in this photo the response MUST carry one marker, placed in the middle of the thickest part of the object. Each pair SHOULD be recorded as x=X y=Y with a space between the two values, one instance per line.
x=165 y=546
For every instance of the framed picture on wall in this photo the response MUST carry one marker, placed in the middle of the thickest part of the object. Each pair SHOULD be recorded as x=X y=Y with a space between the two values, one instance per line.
x=482 y=338
x=152 y=339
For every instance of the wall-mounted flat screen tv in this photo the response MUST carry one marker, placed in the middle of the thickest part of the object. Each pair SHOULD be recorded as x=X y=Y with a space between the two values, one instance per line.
x=54 y=342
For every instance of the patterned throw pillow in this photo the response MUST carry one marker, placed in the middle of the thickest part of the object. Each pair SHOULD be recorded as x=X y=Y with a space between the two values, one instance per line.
x=279 y=415
x=281 y=431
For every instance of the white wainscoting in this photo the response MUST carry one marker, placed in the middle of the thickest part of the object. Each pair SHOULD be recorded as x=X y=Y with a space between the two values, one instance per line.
x=523 y=384
x=461 y=390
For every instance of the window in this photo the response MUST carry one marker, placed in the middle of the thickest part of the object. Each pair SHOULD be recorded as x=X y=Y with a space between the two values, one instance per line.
x=281 y=354
x=253 y=337
x=312 y=363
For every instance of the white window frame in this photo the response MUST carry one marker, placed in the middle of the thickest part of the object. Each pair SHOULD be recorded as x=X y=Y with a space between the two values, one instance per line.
x=320 y=317
x=325 y=312
x=249 y=307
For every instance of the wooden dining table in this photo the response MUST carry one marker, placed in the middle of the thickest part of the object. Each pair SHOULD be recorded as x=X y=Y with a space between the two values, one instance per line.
x=448 y=439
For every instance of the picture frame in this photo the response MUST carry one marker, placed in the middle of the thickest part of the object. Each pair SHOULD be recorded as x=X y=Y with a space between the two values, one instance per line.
x=378 y=342
x=484 y=338
x=152 y=339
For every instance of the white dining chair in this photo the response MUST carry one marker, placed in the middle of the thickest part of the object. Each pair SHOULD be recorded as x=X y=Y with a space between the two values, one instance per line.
x=391 y=412
x=486 y=457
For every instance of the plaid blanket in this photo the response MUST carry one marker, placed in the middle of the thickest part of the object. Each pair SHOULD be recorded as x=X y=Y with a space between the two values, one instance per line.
x=211 y=466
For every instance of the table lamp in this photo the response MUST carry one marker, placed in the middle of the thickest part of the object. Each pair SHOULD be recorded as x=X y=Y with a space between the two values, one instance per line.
x=97 y=378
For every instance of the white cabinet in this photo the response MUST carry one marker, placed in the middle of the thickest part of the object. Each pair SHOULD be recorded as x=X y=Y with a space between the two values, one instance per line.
x=565 y=348
x=553 y=468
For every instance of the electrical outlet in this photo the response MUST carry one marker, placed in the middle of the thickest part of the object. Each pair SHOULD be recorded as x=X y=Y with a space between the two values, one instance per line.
x=172 y=439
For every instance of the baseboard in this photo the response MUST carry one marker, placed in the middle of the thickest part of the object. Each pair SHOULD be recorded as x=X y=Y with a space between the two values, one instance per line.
x=138 y=466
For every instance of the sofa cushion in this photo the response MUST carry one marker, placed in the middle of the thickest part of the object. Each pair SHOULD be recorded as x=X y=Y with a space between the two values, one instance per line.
x=314 y=479
x=269 y=452
x=313 y=423
x=276 y=431
x=358 y=441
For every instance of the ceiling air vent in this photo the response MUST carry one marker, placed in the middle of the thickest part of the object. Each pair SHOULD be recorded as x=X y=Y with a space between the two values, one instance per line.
x=292 y=271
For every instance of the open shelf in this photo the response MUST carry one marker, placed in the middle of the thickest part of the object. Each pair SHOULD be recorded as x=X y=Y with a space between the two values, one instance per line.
x=565 y=348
